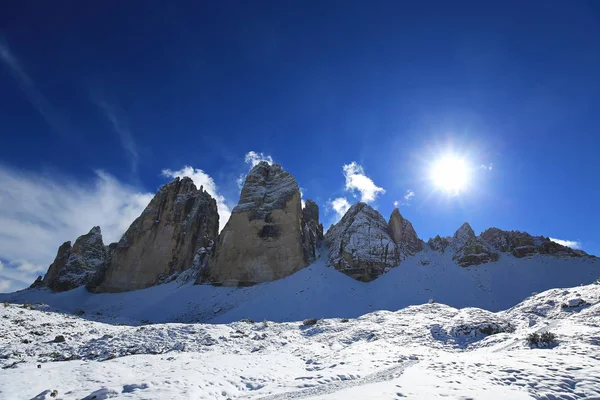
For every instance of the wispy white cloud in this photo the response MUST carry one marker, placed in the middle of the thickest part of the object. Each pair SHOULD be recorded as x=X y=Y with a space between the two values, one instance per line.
x=201 y=178
x=396 y=203
x=125 y=135
x=340 y=205
x=356 y=180
x=27 y=85
x=252 y=158
x=302 y=197
x=568 y=243
x=409 y=194
x=39 y=212
x=489 y=167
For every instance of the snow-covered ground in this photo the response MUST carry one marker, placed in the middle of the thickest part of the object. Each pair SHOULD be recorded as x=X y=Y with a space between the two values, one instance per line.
x=322 y=292
x=420 y=352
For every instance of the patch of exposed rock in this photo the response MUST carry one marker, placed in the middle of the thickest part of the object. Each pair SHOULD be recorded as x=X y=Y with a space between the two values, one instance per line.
x=521 y=244
x=163 y=240
x=439 y=243
x=404 y=235
x=312 y=231
x=471 y=250
x=267 y=236
x=75 y=265
x=360 y=244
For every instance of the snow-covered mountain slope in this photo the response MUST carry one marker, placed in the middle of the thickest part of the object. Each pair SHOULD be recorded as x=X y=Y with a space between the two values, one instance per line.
x=420 y=352
x=323 y=292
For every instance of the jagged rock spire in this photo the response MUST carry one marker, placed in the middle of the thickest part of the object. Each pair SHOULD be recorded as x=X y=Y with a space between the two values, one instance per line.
x=163 y=240
x=75 y=265
x=403 y=233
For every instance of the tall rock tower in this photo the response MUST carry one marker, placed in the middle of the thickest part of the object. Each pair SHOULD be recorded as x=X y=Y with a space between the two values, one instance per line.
x=179 y=221
x=265 y=238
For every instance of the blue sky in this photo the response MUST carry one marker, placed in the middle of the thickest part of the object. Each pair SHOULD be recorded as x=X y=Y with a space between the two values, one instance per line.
x=356 y=99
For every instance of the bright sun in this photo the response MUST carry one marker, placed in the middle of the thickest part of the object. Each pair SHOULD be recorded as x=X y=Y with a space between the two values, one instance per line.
x=450 y=174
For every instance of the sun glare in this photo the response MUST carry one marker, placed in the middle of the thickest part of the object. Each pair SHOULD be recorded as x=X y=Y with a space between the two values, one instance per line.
x=450 y=174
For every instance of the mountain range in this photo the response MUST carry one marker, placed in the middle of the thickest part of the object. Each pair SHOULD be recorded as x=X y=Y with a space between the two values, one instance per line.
x=272 y=260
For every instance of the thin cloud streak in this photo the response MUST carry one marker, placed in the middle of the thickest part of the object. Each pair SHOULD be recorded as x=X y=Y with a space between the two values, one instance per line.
x=27 y=86
x=125 y=135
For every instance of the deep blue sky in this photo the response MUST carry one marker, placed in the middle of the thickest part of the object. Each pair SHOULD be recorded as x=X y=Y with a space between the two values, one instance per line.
x=391 y=85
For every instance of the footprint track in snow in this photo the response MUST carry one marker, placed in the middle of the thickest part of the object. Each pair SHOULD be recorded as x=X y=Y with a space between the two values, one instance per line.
x=379 y=376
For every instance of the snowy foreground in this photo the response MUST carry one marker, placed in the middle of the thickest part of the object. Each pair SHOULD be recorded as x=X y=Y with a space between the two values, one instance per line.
x=419 y=352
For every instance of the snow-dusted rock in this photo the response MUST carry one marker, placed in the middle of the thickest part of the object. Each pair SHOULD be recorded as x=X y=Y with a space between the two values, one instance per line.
x=471 y=250
x=360 y=244
x=521 y=244
x=163 y=240
x=75 y=265
x=263 y=239
x=403 y=233
x=438 y=243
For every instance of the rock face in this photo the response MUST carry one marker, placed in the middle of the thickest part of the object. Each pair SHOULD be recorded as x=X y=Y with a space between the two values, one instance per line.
x=470 y=250
x=360 y=244
x=75 y=265
x=312 y=231
x=439 y=244
x=266 y=237
x=404 y=235
x=163 y=240
x=521 y=244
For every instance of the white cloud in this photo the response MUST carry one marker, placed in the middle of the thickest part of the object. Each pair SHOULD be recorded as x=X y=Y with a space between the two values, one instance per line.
x=489 y=167
x=569 y=243
x=340 y=205
x=201 y=178
x=302 y=197
x=409 y=194
x=39 y=212
x=357 y=180
x=254 y=158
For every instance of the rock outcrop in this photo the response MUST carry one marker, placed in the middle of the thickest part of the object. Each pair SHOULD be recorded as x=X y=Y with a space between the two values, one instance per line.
x=312 y=231
x=471 y=250
x=360 y=244
x=266 y=237
x=439 y=243
x=404 y=235
x=521 y=244
x=163 y=240
x=75 y=265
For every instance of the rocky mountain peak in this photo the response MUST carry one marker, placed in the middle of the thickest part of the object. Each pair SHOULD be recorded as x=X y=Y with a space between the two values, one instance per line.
x=75 y=265
x=163 y=240
x=266 y=237
x=463 y=235
x=267 y=188
x=360 y=244
x=403 y=233
x=438 y=243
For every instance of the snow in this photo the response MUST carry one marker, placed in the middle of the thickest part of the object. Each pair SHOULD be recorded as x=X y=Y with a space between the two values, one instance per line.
x=421 y=352
x=323 y=292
